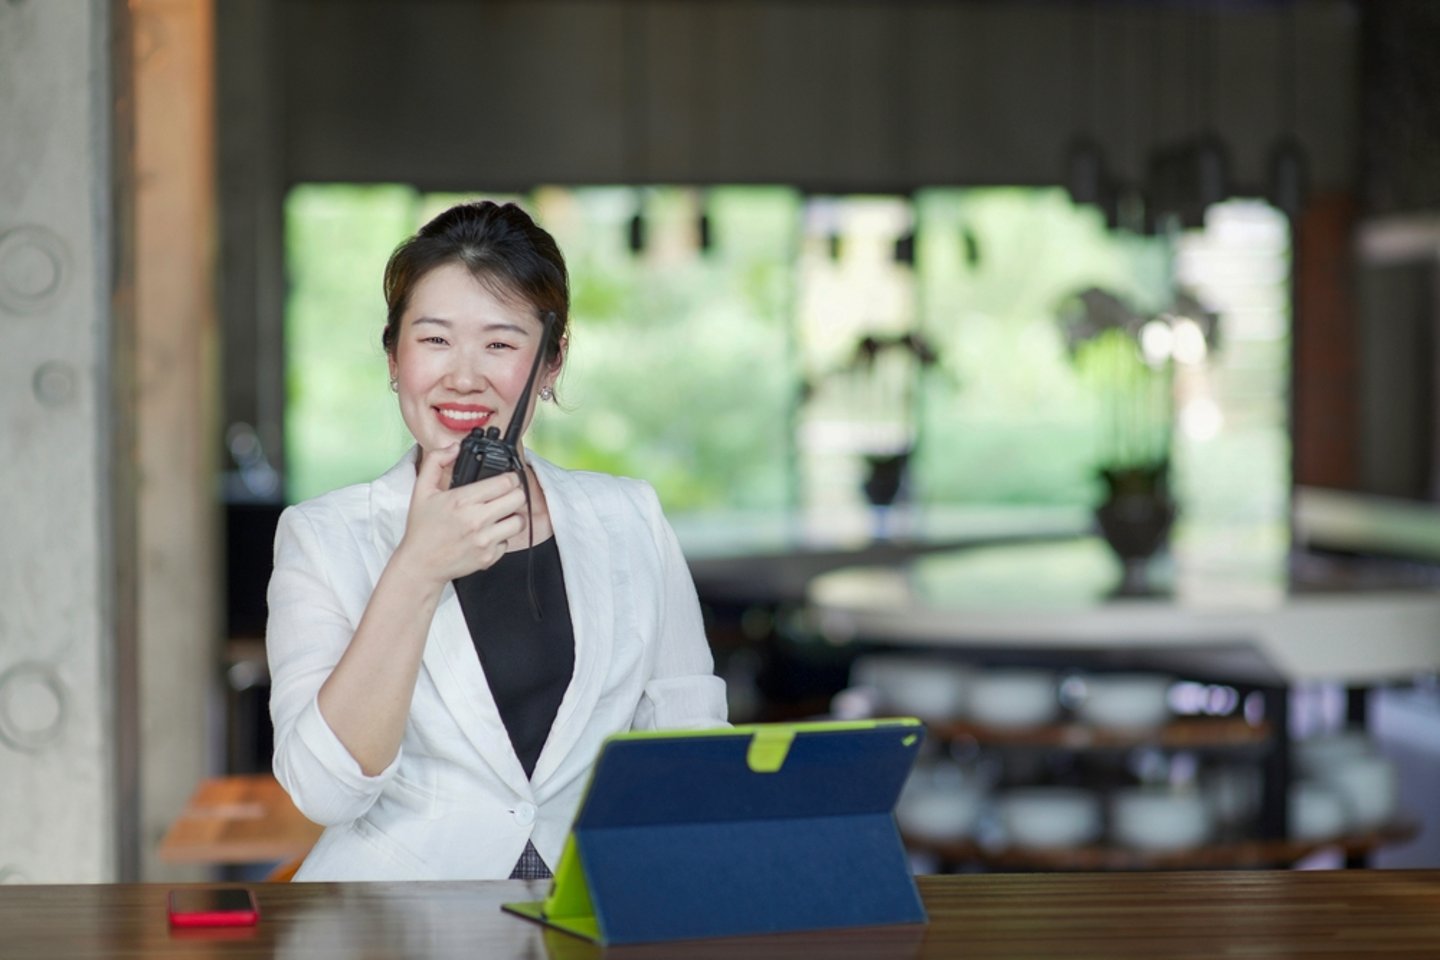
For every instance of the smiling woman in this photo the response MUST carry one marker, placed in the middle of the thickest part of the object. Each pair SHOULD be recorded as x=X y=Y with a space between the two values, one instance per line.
x=435 y=714
x=462 y=354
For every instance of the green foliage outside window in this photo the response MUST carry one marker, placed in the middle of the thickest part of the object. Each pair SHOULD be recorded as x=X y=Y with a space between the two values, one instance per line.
x=689 y=367
x=341 y=421
x=1015 y=423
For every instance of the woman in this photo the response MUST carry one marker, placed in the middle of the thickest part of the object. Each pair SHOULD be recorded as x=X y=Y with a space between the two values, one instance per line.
x=445 y=663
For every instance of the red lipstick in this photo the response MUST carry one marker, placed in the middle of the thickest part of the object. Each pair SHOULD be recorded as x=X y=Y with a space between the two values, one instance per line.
x=463 y=417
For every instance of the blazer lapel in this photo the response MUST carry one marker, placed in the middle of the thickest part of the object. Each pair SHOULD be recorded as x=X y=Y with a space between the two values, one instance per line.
x=585 y=559
x=454 y=668
x=449 y=658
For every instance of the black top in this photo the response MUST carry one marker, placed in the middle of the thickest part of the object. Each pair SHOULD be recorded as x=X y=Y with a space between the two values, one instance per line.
x=528 y=662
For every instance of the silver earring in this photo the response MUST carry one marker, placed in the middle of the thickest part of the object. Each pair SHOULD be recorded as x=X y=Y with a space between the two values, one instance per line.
x=547 y=394
x=394 y=385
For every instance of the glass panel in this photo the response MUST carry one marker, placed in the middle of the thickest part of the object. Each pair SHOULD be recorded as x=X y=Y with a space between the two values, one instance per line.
x=341 y=422
x=762 y=369
x=855 y=314
x=1232 y=445
x=680 y=368
x=1006 y=417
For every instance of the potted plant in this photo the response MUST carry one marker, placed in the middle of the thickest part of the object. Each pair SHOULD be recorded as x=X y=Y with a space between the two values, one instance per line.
x=889 y=368
x=1127 y=360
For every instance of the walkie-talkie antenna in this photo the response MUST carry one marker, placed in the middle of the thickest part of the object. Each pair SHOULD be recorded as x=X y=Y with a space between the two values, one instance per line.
x=512 y=437
x=484 y=453
x=517 y=418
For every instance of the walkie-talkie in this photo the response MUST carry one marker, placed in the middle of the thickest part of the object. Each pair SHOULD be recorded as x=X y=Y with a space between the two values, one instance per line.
x=485 y=453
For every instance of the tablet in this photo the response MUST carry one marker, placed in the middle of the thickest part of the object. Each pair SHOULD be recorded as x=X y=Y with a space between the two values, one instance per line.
x=741 y=830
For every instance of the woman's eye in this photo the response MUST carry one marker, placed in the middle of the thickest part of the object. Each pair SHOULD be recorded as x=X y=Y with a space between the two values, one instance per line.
x=439 y=340
x=498 y=345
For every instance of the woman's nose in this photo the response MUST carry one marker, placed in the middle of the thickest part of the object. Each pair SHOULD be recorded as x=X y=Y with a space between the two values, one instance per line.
x=465 y=375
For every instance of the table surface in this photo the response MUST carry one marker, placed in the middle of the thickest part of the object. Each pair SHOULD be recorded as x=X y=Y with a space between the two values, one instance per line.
x=239 y=819
x=1260 y=622
x=1334 y=914
x=768 y=557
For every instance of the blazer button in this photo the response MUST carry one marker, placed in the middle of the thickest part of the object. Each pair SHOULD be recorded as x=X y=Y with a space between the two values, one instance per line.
x=525 y=814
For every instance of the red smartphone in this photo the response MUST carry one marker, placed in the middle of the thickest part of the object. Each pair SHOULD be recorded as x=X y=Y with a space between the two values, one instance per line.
x=213 y=907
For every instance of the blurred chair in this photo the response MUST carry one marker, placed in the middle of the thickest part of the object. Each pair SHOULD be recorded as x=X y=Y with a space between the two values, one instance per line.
x=285 y=872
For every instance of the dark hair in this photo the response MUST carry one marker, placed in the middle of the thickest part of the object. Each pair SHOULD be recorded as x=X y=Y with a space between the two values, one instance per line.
x=501 y=246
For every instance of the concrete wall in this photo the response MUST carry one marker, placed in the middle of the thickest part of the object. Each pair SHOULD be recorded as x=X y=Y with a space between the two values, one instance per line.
x=109 y=640
x=67 y=627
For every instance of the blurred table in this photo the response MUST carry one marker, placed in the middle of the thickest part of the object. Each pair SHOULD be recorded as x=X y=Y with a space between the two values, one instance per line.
x=1269 y=621
x=751 y=569
x=770 y=557
x=240 y=819
x=1254 y=619
x=1336 y=914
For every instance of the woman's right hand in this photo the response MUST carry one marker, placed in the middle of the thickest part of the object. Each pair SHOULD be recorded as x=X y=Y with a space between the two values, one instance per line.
x=450 y=533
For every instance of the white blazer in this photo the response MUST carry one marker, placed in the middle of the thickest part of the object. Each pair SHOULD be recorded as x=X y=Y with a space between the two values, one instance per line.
x=455 y=803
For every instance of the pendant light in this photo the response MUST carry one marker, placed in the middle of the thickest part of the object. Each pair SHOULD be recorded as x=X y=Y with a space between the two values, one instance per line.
x=1210 y=161
x=704 y=229
x=1287 y=169
x=636 y=140
x=636 y=231
x=905 y=248
x=970 y=243
x=1086 y=178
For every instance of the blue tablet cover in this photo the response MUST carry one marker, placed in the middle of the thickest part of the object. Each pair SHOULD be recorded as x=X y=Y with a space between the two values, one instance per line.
x=744 y=830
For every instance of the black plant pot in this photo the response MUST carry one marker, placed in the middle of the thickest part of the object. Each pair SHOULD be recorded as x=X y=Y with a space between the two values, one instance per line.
x=887 y=473
x=1136 y=526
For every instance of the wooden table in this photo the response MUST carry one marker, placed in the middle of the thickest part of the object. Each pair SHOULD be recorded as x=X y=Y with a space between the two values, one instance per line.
x=239 y=819
x=1075 y=916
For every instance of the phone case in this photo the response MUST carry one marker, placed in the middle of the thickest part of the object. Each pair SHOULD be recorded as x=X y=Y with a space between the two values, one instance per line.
x=202 y=907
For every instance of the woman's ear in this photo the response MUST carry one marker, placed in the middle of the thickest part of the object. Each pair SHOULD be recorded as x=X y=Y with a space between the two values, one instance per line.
x=553 y=370
x=559 y=362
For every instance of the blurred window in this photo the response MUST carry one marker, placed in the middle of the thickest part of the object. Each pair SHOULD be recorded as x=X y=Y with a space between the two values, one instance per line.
x=751 y=348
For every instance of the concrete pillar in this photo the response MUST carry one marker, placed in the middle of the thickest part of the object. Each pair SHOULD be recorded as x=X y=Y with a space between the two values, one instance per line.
x=177 y=393
x=68 y=789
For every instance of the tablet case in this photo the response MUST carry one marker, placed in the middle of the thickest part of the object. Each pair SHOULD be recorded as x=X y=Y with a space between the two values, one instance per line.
x=744 y=830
